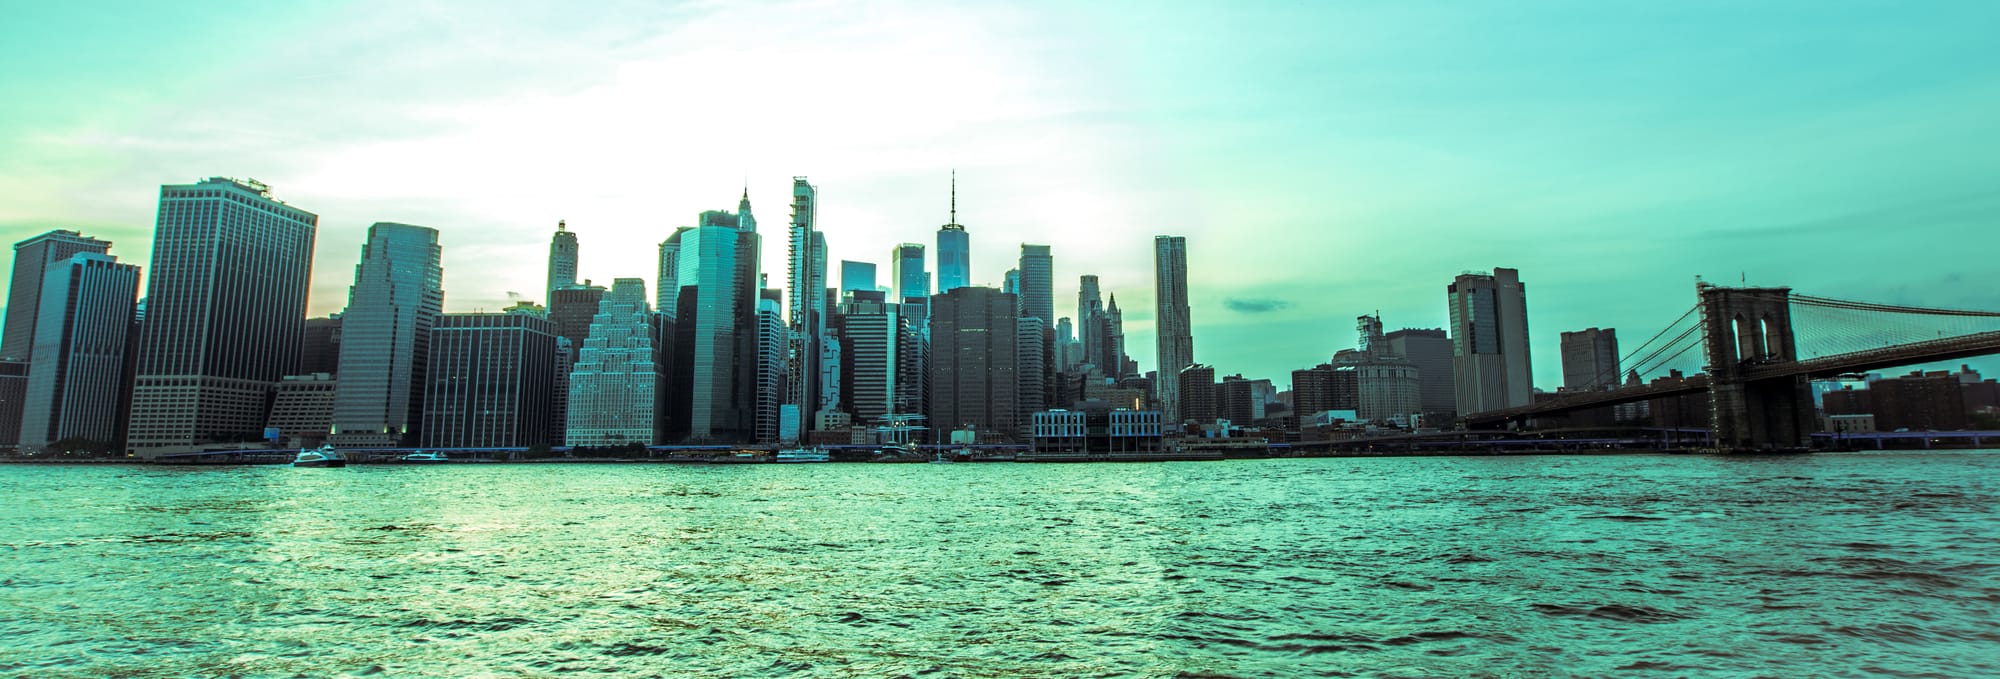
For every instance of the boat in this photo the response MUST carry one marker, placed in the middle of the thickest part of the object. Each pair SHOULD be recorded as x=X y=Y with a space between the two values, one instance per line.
x=804 y=455
x=323 y=456
x=941 y=459
x=421 y=456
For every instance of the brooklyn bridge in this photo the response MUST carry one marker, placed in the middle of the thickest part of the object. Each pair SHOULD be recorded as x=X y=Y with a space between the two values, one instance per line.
x=1759 y=350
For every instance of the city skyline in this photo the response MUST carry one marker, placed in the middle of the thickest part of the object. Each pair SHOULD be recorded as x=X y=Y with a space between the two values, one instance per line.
x=1618 y=177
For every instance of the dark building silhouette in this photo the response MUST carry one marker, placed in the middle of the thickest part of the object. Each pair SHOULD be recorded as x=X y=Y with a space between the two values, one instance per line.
x=1919 y=401
x=973 y=362
x=490 y=382
x=321 y=351
x=1430 y=351
x=1198 y=397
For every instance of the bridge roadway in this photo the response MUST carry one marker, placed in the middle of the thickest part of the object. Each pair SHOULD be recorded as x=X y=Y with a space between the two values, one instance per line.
x=1964 y=346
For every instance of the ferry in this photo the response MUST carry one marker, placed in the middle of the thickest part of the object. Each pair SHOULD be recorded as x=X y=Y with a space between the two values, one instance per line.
x=324 y=456
x=423 y=457
x=804 y=455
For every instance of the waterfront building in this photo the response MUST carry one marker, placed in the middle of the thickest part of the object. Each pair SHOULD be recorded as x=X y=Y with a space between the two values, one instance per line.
x=1430 y=351
x=571 y=309
x=716 y=360
x=1175 y=330
x=1037 y=286
x=321 y=351
x=873 y=331
x=562 y=258
x=33 y=258
x=973 y=362
x=773 y=338
x=385 y=336
x=1386 y=385
x=1238 y=400
x=906 y=264
x=613 y=387
x=13 y=400
x=76 y=385
x=490 y=382
x=670 y=251
x=1590 y=359
x=225 y=314
x=913 y=351
x=1489 y=338
x=1198 y=398
x=857 y=276
x=1031 y=367
x=302 y=409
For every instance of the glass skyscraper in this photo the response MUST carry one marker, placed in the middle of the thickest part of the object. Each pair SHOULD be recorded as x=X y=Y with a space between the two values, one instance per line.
x=906 y=262
x=1489 y=341
x=490 y=381
x=715 y=351
x=225 y=314
x=1038 y=284
x=385 y=336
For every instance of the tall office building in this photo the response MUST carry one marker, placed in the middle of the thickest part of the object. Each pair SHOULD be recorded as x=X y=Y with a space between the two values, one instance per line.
x=1031 y=368
x=973 y=362
x=1199 y=400
x=954 y=249
x=857 y=276
x=716 y=362
x=321 y=351
x=385 y=336
x=1430 y=351
x=872 y=329
x=76 y=381
x=906 y=264
x=571 y=309
x=1037 y=298
x=490 y=382
x=615 y=381
x=1066 y=345
x=562 y=257
x=1111 y=331
x=1590 y=359
x=670 y=251
x=1489 y=341
x=773 y=337
x=1174 y=324
x=33 y=258
x=225 y=314
x=1010 y=283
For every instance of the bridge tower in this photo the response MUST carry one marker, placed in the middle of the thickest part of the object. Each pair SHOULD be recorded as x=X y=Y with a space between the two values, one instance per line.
x=1747 y=328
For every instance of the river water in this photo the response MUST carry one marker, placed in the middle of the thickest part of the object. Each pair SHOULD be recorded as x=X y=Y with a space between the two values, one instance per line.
x=1869 y=564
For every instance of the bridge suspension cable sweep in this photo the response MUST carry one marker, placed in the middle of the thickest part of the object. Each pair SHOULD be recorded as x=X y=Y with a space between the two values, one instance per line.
x=1663 y=351
x=1824 y=326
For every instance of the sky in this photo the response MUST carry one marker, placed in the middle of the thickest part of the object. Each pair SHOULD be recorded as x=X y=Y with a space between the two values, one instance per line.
x=1323 y=159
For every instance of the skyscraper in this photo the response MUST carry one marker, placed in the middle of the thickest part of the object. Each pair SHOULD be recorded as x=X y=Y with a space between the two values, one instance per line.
x=773 y=338
x=32 y=260
x=1489 y=341
x=857 y=276
x=872 y=330
x=805 y=302
x=490 y=382
x=385 y=336
x=954 y=249
x=321 y=353
x=1175 y=336
x=906 y=262
x=562 y=257
x=571 y=309
x=670 y=250
x=716 y=361
x=973 y=362
x=1199 y=400
x=225 y=313
x=1089 y=321
x=614 y=383
x=1430 y=351
x=1590 y=359
x=76 y=381
x=1031 y=369
x=1037 y=298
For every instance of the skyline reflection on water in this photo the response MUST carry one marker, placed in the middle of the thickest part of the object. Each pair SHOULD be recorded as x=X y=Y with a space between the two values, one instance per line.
x=1873 y=564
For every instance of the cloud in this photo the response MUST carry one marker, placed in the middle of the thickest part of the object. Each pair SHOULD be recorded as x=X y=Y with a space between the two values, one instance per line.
x=1255 y=305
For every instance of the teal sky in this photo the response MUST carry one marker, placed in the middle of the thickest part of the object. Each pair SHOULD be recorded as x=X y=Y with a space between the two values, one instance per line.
x=1324 y=159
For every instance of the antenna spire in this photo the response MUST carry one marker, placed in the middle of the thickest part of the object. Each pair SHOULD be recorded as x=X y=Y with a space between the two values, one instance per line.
x=954 y=195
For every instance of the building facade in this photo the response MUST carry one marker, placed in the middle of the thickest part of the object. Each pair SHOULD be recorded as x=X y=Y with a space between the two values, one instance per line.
x=1489 y=340
x=1430 y=351
x=77 y=378
x=1037 y=298
x=716 y=359
x=1199 y=401
x=614 y=384
x=1175 y=334
x=225 y=314
x=562 y=258
x=973 y=362
x=1590 y=359
x=302 y=409
x=906 y=264
x=490 y=382
x=385 y=336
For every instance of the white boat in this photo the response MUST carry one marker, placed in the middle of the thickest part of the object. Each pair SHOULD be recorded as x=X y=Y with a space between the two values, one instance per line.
x=804 y=455
x=323 y=456
x=421 y=456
